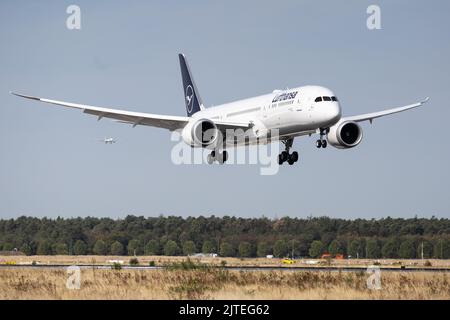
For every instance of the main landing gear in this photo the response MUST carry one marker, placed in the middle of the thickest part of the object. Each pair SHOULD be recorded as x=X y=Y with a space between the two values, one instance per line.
x=322 y=143
x=220 y=157
x=285 y=156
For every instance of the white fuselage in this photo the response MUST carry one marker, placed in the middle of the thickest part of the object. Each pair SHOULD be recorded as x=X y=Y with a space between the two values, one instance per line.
x=293 y=112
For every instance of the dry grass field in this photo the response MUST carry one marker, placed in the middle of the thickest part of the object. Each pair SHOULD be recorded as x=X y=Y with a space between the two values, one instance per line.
x=213 y=283
x=200 y=281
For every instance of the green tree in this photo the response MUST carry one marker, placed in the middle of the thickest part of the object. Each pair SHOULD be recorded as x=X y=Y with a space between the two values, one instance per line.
x=354 y=249
x=299 y=248
x=152 y=248
x=245 y=249
x=427 y=248
x=390 y=249
x=134 y=247
x=407 y=250
x=171 y=248
x=61 y=249
x=36 y=231
x=8 y=246
x=100 y=248
x=26 y=249
x=372 y=249
x=316 y=249
x=208 y=247
x=442 y=249
x=226 y=250
x=80 y=248
x=335 y=248
x=117 y=248
x=189 y=248
x=263 y=249
x=280 y=249
x=44 y=248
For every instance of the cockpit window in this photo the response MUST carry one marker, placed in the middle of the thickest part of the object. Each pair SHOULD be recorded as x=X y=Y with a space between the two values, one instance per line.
x=319 y=99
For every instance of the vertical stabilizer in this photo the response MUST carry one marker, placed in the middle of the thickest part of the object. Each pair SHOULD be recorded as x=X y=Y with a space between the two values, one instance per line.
x=191 y=96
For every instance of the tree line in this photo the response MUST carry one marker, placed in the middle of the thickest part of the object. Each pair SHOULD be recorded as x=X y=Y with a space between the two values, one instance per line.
x=229 y=236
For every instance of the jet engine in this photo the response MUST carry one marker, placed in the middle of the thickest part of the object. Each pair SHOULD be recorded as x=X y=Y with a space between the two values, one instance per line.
x=344 y=135
x=200 y=133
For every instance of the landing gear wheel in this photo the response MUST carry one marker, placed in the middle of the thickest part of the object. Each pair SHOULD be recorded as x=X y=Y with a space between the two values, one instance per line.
x=322 y=143
x=225 y=155
x=294 y=156
x=210 y=159
x=285 y=156
x=319 y=144
x=219 y=158
x=280 y=159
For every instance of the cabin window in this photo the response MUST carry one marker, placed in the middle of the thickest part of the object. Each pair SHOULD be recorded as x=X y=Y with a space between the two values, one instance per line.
x=318 y=99
x=334 y=99
x=326 y=99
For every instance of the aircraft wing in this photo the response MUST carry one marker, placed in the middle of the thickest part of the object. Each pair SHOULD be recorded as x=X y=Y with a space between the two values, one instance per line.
x=136 y=118
x=373 y=115
x=130 y=117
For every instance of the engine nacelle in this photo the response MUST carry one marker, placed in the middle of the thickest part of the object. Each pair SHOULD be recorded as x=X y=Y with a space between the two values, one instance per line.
x=344 y=135
x=200 y=133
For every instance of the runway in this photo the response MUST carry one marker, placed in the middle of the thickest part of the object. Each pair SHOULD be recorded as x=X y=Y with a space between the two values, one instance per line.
x=234 y=268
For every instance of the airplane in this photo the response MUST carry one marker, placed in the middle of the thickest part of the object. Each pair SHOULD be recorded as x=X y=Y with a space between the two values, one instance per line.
x=108 y=140
x=281 y=115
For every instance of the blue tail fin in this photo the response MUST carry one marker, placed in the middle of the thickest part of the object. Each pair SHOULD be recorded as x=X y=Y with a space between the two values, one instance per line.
x=191 y=95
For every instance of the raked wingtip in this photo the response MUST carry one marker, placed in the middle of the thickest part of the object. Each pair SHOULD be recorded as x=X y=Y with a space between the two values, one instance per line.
x=24 y=96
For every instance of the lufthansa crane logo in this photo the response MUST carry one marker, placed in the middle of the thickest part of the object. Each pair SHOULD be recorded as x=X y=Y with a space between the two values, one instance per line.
x=189 y=98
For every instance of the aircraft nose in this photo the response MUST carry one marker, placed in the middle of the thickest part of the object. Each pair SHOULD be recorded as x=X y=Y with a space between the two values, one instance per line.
x=335 y=111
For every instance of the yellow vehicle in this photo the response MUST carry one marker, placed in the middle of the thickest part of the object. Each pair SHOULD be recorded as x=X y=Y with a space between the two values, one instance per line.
x=10 y=263
x=287 y=261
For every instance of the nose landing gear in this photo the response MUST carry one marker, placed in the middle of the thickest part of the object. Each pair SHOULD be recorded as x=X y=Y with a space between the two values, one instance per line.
x=322 y=143
x=285 y=156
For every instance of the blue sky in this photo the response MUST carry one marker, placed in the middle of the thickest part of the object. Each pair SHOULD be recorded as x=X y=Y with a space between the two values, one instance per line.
x=125 y=56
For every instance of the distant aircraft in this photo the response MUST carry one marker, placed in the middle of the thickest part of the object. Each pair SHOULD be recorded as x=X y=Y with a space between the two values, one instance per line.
x=108 y=140
x=292 y=113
